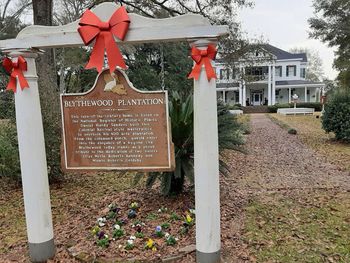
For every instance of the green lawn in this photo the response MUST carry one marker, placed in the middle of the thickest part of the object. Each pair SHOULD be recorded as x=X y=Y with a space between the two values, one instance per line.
x=310 y=131
x=314 y=227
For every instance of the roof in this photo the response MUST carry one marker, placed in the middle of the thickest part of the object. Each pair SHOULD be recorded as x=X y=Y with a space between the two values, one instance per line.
x=277 y=52
x=281 y=54
x=297 y=82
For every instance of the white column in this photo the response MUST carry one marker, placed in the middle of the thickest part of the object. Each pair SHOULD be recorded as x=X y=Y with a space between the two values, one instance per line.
x=240 y=93
x=290 y=95
x=305 y=94
x=269 y=97
x=33 y=165
x=273 y=101
x=206 y=167
x=244 y=94
x=244 y=89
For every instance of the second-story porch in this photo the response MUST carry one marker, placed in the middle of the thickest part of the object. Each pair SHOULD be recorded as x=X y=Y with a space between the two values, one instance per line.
x=257 y=94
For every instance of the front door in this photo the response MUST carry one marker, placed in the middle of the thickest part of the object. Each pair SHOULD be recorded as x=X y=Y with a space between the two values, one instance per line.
x=256 y=99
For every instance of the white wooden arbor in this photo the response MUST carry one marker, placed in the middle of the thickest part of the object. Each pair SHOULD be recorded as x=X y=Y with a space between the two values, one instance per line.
x=192 y=28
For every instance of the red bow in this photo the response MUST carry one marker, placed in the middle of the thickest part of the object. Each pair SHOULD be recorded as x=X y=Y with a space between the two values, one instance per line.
x=203 y=57
x=91 y=27
x=15 y=69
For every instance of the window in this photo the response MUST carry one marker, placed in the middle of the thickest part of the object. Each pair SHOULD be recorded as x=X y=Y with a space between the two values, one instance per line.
x=234 y=74
x=302 y=73
x=278 y=71
x=224 y=73
x=254 y=71
x=291 y=71
x=236 y=96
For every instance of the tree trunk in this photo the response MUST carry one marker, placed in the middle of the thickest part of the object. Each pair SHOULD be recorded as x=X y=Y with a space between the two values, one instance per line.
x=49 y=95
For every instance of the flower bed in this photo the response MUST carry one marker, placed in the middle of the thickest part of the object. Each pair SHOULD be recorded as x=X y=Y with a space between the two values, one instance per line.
x=139 y=226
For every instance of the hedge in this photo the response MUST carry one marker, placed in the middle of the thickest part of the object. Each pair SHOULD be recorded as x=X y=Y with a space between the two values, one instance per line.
x=336 y=116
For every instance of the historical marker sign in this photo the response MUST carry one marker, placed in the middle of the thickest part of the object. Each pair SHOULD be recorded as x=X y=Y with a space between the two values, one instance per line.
x=116 y=127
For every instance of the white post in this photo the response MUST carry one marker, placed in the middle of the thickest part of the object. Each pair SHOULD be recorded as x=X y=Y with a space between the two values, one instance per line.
x=33 y=165
x=244 y=94
x=305 y=94
x=206 y=167
x=269 y=97
x=290 y=95
x=273 y=100
x=244 y=89
x=240 y=93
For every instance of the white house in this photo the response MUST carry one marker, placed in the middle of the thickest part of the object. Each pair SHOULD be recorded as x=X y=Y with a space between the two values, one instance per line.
x=270 y=76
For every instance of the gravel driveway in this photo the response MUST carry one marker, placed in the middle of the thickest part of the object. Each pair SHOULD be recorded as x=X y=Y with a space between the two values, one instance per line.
x=277 y=160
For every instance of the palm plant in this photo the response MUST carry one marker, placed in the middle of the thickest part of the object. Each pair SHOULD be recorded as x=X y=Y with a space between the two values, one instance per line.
x=181 y=114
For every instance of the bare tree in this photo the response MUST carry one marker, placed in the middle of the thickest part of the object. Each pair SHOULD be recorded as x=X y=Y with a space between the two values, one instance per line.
x=10 y=12
x=49 y=95
x=70 y=10
x=314 y=70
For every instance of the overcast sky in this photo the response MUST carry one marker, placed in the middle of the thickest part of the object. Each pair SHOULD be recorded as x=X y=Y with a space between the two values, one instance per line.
x=283 y=23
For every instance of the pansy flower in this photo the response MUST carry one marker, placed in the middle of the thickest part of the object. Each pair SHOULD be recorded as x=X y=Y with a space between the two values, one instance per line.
x=101 y=221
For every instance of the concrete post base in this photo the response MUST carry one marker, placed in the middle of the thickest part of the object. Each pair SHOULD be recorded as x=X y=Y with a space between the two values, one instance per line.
x=208 y=257
x=41 y=252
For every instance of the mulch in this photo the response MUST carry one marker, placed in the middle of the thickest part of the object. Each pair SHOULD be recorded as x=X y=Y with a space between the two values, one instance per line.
x=75 y=243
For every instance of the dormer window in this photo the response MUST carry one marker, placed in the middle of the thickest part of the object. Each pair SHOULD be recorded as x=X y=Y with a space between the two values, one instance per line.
x=291 y=71
x=303 y=73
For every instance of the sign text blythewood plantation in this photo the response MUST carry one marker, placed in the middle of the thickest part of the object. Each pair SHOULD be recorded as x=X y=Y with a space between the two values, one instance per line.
x=114 y=126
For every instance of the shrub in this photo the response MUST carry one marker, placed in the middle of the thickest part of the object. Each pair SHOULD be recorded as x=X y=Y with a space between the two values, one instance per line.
x=336 y=116
x=292 y=131
x=274 y=108
x=316 y=105
x=235 y=107
x=9 y=156
x=230 y=131
x=7 y=105
x=245 y=128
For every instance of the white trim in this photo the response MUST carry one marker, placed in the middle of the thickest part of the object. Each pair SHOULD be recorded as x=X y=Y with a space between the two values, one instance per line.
x=289 y=59
x=299 y=86
x=273 y=97
x=227 y=89
x=269 y=87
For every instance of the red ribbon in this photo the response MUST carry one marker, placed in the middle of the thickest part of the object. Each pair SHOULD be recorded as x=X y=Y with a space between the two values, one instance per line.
x=92 y=28
x=15 y=69
x=203 y=57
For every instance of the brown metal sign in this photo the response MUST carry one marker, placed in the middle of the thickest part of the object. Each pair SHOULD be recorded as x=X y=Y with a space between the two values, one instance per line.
x=116 y=127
